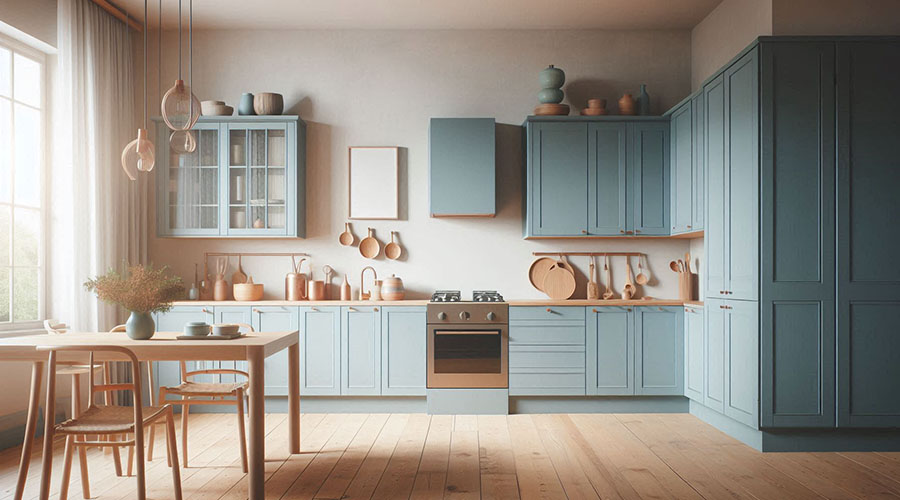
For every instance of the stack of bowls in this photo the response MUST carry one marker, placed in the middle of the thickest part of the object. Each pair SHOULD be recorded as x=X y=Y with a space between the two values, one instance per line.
x=215 y=108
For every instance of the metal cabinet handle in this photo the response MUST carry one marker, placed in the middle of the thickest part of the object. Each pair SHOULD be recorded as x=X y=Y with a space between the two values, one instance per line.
x=628 y=309
x=622 y=231
x=637 y=231
x=207 y=311
x=595 y=310
x=375 y=309
x=660 y=308
x=629 y=232
x=583 y=231
x=314 y=309
x=257 y=310
x=549 y=310
x=689 y=226
x=351 y=309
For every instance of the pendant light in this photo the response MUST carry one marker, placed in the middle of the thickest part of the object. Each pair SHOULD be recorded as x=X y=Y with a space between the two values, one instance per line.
x=140 y=155
x=180 y=108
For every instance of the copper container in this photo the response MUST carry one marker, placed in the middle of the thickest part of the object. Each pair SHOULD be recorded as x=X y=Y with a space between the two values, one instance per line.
x=294 y=282
x=316 y=290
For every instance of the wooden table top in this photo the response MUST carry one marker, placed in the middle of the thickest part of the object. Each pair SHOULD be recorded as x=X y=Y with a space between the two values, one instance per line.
x=162 y=347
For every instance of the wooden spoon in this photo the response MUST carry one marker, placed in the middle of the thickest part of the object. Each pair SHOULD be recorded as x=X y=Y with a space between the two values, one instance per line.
x=641 y=278
x=369 y=247
x=239 y=276
x=674 y=266
x=393 y=250
x=608 y=294
x=347 y=237
x=629 y=288
x=687 y=263
x=593 y=289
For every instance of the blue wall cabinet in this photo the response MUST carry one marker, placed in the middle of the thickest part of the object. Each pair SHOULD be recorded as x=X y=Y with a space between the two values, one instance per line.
x=682 y=168
x=558 y=170
x=649 y=176
x=868 y=287
x=742 y=361
x=547 y=351
x=275 y=319
x=403 y=351
x=714 y=355
x=714 y=162
x=246 y=178
x=463 y=170
x=659 y=351
x=698 y=190
x=607 y=178
x=360 y=351
x=610 y=351
x=694 y=360
x=320 y=351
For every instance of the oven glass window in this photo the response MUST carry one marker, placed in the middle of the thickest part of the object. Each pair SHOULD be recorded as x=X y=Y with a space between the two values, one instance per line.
x=467 y=352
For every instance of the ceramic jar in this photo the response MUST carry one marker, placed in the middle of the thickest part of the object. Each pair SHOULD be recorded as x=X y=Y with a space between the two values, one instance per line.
x=245 y=106
x=643 y=102
x=626 y=105
x=392 y=289
x=140 y=326
x=268 y=103
x=552 y=77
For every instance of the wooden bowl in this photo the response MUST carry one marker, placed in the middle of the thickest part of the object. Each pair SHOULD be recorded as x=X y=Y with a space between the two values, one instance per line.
x=268 y=103
x=248 y=291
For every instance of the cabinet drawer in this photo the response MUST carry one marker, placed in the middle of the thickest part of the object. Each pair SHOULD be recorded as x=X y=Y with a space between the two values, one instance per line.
x=546 y=384
x=546 y=334
x=544 y=313
x=534 y=357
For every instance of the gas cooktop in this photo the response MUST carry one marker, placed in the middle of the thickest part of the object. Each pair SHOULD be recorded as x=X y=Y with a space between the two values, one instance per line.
x=477 y=296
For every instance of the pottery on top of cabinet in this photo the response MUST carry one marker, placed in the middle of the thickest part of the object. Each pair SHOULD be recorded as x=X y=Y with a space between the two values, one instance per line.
x=245 y=106
x=551 y=95
x=643 y=101
x=268 y=103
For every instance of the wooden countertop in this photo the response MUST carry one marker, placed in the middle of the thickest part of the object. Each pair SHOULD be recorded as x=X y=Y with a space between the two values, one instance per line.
x=422 y=302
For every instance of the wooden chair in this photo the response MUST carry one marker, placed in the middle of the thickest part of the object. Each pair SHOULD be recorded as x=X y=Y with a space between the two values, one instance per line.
x=108 y=420
x=216 y=392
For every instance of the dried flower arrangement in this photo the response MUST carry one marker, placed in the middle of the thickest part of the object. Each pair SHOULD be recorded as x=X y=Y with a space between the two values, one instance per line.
x=143 y=290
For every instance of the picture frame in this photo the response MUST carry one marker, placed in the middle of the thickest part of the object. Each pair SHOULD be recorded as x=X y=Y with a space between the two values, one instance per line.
x=374 y=182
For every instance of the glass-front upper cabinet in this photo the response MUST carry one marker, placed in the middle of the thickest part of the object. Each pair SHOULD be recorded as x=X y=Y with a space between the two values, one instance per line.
x=246 y=178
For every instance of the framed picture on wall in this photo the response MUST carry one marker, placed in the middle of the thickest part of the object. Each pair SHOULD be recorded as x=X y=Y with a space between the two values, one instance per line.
x=374 y=182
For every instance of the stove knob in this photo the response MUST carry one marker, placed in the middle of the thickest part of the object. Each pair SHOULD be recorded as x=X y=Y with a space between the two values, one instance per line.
x=491 y=316
x=442 y=315
x=463 y=315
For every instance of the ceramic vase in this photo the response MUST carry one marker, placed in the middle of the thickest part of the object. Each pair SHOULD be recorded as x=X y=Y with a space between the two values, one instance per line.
x=643 y=102
x=551 y=80
x=245 y=106
x=392 y=289
x=140 y=326
x=626 y=105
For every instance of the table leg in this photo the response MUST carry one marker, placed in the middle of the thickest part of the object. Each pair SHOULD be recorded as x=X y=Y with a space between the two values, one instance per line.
x=294 y=397
x=257 y=462
x=34 y=397
x=49 y=417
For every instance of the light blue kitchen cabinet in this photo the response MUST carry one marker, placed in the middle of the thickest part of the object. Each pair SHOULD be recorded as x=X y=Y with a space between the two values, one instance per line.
x=607 y=178
x=742 y=361
x=694 y=360
x=682 y=168
x=715 y=178
x=648 y=165
x=360 y=351
x=246 y=178
x=233 y=314
x=462 y=154
x=547 y=351
x=698 y=187
x=557 y=178
x=168 y=373
x=403 y=351
x=275 y=319
x=320 y=351
x=714 y=355
x=659 y=351
x=610 y=351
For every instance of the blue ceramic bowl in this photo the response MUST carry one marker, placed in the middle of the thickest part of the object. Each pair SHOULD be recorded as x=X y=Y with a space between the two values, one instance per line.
x=196 y=328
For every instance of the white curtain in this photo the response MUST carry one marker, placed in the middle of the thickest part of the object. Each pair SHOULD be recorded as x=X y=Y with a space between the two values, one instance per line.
x=98 y=217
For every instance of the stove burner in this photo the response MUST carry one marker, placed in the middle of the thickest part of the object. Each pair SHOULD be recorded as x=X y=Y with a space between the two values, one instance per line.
x=445 y=296
x=486 y=296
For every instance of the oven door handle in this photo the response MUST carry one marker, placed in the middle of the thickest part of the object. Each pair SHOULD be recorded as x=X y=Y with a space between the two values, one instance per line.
x=467 y=332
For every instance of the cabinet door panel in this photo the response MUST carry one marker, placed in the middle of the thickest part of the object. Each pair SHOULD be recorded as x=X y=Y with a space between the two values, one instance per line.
x=742 y=363
x=607 y=196
x=404 y=351
x=168 y=373
x=742 y=179
x=233 y=314
x=714 y=386
x=320 y=351
x=682 y=168
x=698 y=208
x=714 y=160
x=462 y=171
x=649 y=162
x=659 y=351
x=610 y=351
x=360 y=351
x=559 y=162
x=693 y=353
x=276 y=319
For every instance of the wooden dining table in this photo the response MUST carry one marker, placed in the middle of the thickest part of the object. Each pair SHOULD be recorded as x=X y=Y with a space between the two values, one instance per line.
x=253 y=348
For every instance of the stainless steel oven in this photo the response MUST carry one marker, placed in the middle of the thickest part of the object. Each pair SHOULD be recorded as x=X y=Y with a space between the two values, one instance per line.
x=468 y=345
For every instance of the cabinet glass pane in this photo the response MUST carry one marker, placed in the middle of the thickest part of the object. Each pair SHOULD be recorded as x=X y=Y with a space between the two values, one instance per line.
x=237 y=186
x=257 y=185
x=237 y=140
x=209 y=186
x=277 y=148
x=209 y=217
x=209 y=148
x=258 y=147
x=258 y=214
x=276 y=216
x=276 y=186
x=238 y=218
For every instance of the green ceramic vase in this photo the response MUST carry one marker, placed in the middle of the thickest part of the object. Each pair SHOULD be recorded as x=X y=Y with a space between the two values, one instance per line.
x=551 y=78
x=140 y=326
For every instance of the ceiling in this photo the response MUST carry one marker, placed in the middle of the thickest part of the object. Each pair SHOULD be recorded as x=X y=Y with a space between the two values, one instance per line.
x=433 y=14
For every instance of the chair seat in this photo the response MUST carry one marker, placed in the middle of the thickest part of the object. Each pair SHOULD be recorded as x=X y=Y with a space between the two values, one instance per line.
x=206 y=389
x=103 y=419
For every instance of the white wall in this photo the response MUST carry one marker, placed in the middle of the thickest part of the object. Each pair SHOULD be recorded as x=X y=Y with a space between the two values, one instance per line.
x=381 y=88
x=726 y=31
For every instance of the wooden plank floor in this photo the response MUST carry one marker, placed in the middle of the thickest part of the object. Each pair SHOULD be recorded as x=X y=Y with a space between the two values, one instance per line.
x=354 y=456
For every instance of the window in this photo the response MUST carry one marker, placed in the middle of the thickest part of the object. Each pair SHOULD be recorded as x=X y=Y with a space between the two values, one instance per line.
x=22 y=151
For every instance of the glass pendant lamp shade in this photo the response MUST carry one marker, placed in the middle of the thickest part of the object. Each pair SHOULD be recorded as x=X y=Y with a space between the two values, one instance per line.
x=139 y=155
x=182 y=142
x=180 y=107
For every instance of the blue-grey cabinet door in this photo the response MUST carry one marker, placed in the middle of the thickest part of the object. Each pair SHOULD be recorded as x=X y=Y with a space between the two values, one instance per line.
x=275 y=319
x=461 y=152
x=320 y=351
x=868 y=281
x=610 y=351
x=682 y=168
x=648 y=162
x=360 y=351
x=168 y=373
x=694 y=360
x=607 y=194
x=659 y=351
x=233 y=314
x=714 y=355
x=742 y=361
x=559 y=178
x=714 y=161
x=797 y=278
x=698 y=202
x=742 y=178
x=403 y=351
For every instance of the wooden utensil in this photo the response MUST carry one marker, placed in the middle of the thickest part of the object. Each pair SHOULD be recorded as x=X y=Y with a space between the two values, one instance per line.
x=629 y=288
x=680 y=266
x=538 y=271
x=687 y=263
x=559 y=283
x=238 y=277
x=248 y=291
x=220 y=289
x=641 y=278
x=393 y=250
x=329 y=272
x=674 y=266
x=608 y=294
x=593 y=290
x=369 y=247
x=563 y=262
x=347 y=237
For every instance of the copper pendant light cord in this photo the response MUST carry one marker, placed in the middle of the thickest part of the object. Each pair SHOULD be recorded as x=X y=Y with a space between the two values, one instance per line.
x=145 y=63
x=191 y=55
x=179 y=39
